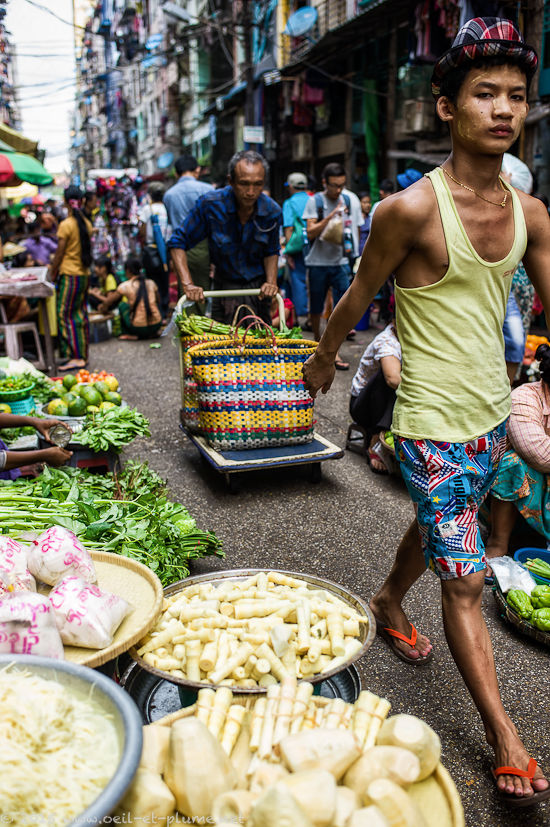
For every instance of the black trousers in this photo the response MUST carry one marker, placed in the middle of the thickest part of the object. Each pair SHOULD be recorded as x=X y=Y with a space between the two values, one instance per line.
x=373 y=407
x=223 y=309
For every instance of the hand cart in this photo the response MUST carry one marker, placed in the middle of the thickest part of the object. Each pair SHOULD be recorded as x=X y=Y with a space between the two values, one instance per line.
x=231 y=463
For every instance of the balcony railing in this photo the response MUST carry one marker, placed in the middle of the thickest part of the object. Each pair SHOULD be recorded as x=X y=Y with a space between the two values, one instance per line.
x=331 y=15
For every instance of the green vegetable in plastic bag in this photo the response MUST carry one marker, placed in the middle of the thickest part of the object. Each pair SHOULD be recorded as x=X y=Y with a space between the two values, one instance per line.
x=540 y=597
x=520 y=603
x=541 y=619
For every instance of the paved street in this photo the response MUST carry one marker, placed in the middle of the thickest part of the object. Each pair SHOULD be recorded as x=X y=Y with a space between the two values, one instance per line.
x=345 y=528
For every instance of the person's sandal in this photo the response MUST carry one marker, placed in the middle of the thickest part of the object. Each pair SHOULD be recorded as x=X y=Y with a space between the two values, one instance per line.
x=339 y=364
x=521 y=800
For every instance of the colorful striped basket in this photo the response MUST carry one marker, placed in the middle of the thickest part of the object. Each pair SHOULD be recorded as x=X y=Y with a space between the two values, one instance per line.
x=252 y=394
x=189 y=398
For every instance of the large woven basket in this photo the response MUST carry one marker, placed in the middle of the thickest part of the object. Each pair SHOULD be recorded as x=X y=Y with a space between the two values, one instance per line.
x=189 y=398
x=252 y=394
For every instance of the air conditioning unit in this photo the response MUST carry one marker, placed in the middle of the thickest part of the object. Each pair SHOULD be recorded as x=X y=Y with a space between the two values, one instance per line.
x=302 y=146
x=418 y=116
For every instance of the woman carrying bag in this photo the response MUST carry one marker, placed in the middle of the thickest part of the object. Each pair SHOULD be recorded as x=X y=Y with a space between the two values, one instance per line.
x=70 y=271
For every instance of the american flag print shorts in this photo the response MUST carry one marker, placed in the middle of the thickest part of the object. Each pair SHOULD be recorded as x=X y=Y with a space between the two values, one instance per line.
x=447 y=482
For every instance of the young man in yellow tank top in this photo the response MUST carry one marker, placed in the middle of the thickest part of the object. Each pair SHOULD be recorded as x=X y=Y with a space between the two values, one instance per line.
x=454 y=239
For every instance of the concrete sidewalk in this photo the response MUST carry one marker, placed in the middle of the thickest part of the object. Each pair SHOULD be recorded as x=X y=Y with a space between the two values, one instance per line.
x=345 y=528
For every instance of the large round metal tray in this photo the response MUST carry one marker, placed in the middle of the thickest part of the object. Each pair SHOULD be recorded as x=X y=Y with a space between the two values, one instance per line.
x=367 y=630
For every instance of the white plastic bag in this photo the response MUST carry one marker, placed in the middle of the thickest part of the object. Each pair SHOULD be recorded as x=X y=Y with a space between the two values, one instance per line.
x=334 y=231
x=27 y=626
x=85 y=615
x=56 y=553
x=14 y=574
x=511 y=575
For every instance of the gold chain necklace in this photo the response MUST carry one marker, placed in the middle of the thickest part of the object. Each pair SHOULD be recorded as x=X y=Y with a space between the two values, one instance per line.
x=479 y=195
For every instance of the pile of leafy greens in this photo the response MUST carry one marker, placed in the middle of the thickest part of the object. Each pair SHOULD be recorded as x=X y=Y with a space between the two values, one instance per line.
x=127 y=513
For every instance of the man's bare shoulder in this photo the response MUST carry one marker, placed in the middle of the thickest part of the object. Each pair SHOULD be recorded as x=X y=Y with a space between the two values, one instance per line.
x=535 y=212
x=411 y=207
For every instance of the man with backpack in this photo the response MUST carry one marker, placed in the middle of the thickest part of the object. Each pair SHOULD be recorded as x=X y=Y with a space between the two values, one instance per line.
x=294 y=230
x=332 y=229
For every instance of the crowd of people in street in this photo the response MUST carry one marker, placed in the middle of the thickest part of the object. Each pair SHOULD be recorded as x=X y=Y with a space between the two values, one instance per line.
x=454 y=263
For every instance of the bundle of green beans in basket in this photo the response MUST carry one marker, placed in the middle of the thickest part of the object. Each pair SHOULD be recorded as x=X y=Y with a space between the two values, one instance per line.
x=197 y=325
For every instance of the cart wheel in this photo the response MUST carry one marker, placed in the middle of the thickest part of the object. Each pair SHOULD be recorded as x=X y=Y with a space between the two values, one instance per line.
x=315 y=473
x=232 y=484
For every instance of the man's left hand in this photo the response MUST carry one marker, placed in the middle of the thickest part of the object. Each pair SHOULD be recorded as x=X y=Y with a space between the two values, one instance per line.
x=268 y=290
x=43 y=426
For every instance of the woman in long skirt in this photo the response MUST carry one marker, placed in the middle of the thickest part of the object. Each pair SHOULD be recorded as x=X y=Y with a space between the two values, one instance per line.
x=70 y=270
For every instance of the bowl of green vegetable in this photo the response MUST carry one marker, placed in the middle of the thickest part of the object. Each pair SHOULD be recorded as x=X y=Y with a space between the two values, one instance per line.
x=536 y=561
x=13 y=388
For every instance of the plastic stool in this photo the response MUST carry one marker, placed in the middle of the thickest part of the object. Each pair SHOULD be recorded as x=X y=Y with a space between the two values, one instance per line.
x=100 y=327
x=358 y=443
x=12 y=341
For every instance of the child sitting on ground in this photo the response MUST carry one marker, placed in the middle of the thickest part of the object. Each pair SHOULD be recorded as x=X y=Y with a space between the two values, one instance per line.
x=140 y=316
x=107 y=282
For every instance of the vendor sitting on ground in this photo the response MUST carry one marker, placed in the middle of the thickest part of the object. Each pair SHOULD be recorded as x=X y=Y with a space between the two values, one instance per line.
x=107 y=282
x=13 y=463
x=522 y=485
x=373 y=391
x=140 y=317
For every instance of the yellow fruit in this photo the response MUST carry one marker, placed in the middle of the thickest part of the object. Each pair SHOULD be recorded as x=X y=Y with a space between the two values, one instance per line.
x=92 y=409
x=55 y=404
x=112 y=381
x=5 y=408
x=106 y=405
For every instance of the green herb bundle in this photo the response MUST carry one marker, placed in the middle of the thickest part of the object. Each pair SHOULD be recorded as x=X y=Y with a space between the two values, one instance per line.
x=44 y=389
x=113 y=429
x=128 y=514
x=9 y=435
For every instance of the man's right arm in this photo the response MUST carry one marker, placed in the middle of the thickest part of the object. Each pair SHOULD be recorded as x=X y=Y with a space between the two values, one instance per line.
x=393 y=235
x=193 y=230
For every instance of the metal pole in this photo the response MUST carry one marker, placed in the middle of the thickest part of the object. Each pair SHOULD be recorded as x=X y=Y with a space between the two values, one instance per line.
x=249 y=116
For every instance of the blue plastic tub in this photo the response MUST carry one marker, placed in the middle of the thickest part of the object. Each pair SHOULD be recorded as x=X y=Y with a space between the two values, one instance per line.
x=523 y=554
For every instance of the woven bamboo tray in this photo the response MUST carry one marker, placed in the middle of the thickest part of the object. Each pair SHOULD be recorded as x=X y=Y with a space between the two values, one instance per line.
x=367 y=630
x=514 y=619
x=140 y=587
x=446 y=784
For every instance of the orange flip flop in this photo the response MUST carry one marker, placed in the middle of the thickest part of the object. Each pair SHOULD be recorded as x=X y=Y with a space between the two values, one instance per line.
x=389 y=636
x=521 y=800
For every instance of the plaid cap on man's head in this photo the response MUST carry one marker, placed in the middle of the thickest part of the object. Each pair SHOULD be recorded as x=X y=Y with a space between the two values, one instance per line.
x=484 y=37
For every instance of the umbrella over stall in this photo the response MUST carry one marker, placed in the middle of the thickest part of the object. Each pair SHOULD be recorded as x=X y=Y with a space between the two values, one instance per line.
x=16 y=167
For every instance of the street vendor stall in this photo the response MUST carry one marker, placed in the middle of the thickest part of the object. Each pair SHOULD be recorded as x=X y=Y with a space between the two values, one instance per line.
x=31 y=283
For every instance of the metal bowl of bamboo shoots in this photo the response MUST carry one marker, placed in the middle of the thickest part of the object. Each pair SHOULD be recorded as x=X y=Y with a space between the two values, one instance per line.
x=240 y=619
x=81 y=710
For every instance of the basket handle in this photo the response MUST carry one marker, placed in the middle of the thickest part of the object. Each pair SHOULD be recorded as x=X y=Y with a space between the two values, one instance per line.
x=236 y=314
x=256 y=322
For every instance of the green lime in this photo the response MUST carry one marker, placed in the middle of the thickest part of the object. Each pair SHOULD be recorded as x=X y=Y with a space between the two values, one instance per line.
x=92 y=409
x=113 y=397
x=103 y=388
x=77 y=407
x=106 y=405
x=91 y=396
x=69 y=397
x=62 y=410
x=69 y=380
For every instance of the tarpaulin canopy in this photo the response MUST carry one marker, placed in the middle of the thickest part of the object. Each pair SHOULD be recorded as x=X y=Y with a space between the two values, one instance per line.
x=16 y=141
x=16 y=167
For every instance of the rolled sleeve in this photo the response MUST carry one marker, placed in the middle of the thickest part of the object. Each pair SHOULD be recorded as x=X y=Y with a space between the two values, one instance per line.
x=526 y=432
x=193 y=230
